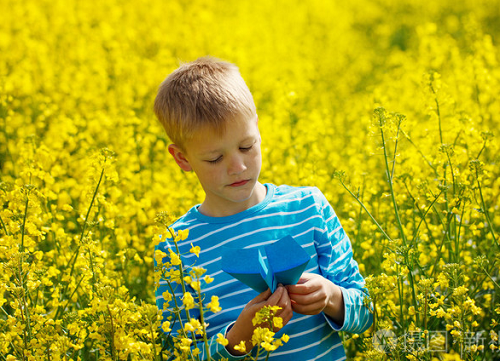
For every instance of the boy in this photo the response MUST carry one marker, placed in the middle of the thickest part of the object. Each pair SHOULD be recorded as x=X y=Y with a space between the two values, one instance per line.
x=209 y=115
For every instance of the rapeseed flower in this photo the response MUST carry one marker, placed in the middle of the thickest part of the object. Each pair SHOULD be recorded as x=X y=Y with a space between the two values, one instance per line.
x=84 y=167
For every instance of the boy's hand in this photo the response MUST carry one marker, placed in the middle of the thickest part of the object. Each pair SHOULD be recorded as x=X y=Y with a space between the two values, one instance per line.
x=314 y=294
x=243 y=328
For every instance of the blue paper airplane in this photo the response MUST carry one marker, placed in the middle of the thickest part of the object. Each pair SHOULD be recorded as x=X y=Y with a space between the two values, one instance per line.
x=261 y=268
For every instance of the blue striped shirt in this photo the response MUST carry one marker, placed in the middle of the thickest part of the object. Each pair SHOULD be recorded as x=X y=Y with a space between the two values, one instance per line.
x=305 y=214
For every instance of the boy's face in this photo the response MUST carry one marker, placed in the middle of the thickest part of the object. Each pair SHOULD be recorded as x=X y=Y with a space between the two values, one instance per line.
x=227 y=166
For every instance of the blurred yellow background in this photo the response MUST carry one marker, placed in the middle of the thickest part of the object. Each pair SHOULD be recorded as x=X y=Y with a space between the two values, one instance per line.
x=77 y=85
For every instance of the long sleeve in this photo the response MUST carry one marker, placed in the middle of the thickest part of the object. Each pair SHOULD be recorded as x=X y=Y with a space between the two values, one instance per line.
x=336 y=263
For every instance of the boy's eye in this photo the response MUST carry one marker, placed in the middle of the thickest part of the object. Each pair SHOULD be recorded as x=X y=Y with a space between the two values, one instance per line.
x=246 y=149
x=215 y=160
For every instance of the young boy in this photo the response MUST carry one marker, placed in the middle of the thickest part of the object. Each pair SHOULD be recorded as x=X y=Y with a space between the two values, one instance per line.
x=209 y=115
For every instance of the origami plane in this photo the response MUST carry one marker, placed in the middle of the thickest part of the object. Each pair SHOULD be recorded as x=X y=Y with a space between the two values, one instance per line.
x=260 y=268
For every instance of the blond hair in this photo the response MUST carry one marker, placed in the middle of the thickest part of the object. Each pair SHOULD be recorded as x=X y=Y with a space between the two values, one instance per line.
x=204 y=92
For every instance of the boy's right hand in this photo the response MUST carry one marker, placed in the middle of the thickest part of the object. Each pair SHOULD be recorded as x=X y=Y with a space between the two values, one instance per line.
x=243 y=328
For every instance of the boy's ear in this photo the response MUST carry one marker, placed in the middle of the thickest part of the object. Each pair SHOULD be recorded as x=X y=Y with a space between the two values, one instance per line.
x=179 y=157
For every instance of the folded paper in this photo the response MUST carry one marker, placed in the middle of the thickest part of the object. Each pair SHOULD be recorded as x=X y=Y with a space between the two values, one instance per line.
x=281 y=262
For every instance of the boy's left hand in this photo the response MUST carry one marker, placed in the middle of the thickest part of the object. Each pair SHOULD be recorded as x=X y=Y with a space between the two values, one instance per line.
x=314 y=294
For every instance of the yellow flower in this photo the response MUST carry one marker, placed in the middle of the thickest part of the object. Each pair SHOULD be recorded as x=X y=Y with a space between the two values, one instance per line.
x=166 y=326
x=221 y=339
x=174 y=258
x=213 y=305
x=198 y=271
x=278 y=322
x=159 y=255
x=241 y=347
x=188 y=301
x=194 y=325
x=460 y=291
x=195 y=250
x=167 y=296
x=196 y=285
x=268 y=346
x=185 y=344
x=183 y=234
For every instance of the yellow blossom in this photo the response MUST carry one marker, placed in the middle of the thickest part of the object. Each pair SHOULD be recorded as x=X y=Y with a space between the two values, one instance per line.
x=241 y=347
x=188 y=301
x=174 y=258
x=222 y=340
x=195 y=250
x=183 y=234
x=213 y=305
x=166 y=326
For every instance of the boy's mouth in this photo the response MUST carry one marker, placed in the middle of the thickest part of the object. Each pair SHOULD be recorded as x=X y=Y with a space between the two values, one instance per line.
x=239 y=183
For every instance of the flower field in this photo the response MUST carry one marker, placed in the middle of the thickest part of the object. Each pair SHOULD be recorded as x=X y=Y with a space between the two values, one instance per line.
x=391 y=108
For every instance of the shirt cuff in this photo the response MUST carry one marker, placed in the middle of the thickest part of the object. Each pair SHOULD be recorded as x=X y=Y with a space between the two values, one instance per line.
x=357 y=316
x=225 y=353
x=334 y=324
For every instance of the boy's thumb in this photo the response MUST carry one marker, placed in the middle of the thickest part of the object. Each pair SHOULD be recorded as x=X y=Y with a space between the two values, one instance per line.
x=276 y=296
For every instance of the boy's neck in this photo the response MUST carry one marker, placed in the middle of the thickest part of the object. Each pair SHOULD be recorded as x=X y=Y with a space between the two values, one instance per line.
x=225 y=209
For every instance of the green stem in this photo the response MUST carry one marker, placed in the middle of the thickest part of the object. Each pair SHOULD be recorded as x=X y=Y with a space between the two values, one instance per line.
x=457 y=254
x=84 y=227
x=257 y=353
x=486 y=214
x=446 y=237
x=69 y=299
x=400 y=118
x=366 y=210
x=393 y=196
x=25 y=336
x=21 y=262
x=491 y=278
x=177 y=309
x=438 y=112
x=112 y=342
x=24 y=222
x=425 y=310
x=457 y=238
x=181 y=268
x=481 y=150
x=4 y=227
x=202 y=321
x=75 y=254
x=91 y=262
x=425 y=213
x=429 y=163
x=401 y=298
x=396 y=211
x=153 y=339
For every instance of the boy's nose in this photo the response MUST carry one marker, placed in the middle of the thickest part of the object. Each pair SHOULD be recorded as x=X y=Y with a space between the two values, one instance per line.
x=236 y=165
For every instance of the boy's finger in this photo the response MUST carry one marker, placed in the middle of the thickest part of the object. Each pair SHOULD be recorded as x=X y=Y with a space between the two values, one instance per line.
x=284 y=302
x=261 y=297
x=301 y=289
x=302 y=299
x=275 y=297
